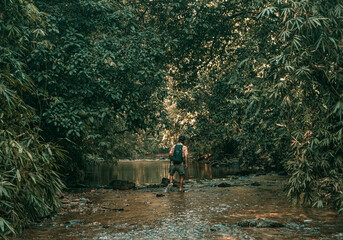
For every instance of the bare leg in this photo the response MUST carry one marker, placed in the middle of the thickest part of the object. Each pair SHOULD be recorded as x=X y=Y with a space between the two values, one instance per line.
x=171 y=181
x=181 y=182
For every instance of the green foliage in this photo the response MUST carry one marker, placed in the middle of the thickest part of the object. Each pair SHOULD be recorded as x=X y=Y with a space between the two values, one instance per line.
x=103 y=76
x=112 y=79
x=307 y=80
x=277 y=92
x=29 y=183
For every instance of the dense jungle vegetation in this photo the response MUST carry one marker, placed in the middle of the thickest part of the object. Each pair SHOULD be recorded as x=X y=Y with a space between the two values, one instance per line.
x=85 y=81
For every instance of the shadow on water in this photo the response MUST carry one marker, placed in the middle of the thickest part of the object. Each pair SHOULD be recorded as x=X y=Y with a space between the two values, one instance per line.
x=149 y=172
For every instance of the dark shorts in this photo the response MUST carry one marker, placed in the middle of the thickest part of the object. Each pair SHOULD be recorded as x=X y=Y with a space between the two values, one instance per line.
x=177 y=168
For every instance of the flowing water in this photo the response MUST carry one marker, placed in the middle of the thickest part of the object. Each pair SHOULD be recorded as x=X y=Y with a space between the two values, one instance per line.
x=203 y=211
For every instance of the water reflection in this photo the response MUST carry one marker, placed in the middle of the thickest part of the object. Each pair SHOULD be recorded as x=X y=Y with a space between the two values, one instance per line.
x=148 y=172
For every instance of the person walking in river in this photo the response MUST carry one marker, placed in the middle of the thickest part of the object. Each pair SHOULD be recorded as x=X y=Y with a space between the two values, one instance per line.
x=178 y=156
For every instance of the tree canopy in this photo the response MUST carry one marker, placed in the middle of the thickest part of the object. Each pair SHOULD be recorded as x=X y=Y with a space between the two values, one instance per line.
x=258 y=80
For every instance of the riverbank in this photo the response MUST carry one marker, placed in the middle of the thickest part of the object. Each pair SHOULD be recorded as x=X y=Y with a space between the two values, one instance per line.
x=208 y=209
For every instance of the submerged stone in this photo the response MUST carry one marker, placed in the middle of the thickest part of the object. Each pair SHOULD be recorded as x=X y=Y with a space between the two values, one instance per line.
x=260 y=223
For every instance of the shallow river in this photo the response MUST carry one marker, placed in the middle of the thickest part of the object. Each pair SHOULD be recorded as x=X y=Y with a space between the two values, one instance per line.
x=149 y=171
x=210 y=208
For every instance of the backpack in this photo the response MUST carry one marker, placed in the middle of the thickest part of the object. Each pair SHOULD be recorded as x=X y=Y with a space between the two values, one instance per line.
x=177 y=155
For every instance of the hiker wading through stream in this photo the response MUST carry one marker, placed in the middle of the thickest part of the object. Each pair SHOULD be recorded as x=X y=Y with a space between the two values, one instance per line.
x=178 y=161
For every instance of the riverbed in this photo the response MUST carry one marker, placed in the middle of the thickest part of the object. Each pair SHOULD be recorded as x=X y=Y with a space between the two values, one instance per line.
x=208 y=209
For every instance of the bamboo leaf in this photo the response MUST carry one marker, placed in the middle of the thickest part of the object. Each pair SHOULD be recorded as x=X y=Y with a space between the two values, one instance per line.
x=18 y=176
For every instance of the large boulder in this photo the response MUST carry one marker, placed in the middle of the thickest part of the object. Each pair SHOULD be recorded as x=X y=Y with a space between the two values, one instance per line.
x=165 y=182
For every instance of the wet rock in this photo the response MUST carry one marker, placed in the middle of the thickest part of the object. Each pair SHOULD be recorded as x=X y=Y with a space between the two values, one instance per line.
x=247 y=223
x=122 y=185
x=303 y=227
x=141 y=186
x=165 y=182
x=76 y=221
x=255 y=184
x=155 y=186
x=224 y=185
x=266 y=223
x=219 y=228
x=260 y=223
